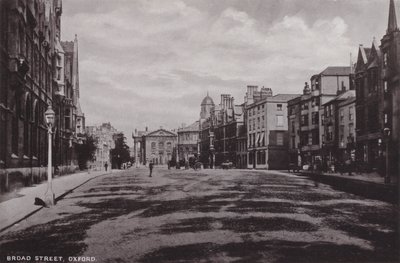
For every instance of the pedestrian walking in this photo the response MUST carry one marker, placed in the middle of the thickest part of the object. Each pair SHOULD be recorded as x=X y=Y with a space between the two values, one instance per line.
x=105 y=166
x=349 y=166
x=151 y=168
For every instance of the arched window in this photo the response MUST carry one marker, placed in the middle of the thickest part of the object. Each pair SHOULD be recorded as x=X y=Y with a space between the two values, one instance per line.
x=161 y=145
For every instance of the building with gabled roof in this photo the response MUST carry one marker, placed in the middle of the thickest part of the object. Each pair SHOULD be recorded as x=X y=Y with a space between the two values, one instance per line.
x=335 y=71
x=334 y=123
x=228 y=121
x=369 y=108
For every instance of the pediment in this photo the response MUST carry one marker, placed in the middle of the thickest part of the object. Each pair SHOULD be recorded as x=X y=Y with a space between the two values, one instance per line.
x=161 y=133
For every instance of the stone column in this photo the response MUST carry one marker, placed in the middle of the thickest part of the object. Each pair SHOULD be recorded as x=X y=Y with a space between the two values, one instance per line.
x=135 y=143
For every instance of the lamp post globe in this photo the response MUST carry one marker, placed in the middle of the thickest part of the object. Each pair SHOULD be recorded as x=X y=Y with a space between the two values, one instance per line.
x=50 y=120
x=386 y=132
x=50 y=117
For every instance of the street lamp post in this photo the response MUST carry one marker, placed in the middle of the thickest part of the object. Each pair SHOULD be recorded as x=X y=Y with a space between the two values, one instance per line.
x=102 y=156
x=212 y=149
x=323 y=159
x=50 y=119
x=386 y=134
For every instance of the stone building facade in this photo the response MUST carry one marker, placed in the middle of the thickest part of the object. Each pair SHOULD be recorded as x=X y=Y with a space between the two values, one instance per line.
x=369 y=107
x=338 y=119
x=188 y=137
x=227 y=121
x=157 y=146
x=206 y=134
x=222 y=133
x=306 y=113
x=390 y=47
x=32 y=77
x=294 y=117
x=104 y=134
x=347 y=127
x=267 y=131
x=137 y=147
x=378 y=98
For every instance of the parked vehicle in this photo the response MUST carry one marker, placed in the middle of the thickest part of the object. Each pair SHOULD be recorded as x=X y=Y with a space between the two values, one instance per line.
x=196 y=166
x=294 y=167
x=227 y=165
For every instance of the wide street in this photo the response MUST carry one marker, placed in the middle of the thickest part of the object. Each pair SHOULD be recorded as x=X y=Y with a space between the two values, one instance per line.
x=208 y=216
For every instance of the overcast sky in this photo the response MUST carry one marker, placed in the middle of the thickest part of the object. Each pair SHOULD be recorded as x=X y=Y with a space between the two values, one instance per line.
x=150 y=63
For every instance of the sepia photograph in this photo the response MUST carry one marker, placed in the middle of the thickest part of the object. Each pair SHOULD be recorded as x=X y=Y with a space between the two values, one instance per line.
x=163 y=131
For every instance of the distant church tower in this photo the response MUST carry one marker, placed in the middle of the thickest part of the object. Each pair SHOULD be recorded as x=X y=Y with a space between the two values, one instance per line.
x=207 y=105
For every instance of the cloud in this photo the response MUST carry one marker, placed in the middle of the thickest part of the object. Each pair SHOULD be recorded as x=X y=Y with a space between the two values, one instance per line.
x=150 y=63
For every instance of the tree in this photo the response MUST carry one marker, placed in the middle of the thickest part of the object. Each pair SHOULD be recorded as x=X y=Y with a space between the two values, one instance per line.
x=86 y=151
x=120 y=154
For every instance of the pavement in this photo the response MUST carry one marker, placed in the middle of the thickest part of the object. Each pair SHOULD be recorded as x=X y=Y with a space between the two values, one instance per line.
x=208 y=216
x=19 y=204
x=370 y=185
x=365 y=177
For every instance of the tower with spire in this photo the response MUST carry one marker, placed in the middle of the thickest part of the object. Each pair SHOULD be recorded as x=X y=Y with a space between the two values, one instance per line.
x=390 y=47
x=78 y=115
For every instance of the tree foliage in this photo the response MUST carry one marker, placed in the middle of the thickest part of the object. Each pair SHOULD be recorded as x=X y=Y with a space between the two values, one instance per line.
x=120 y=154
x=86 y=151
